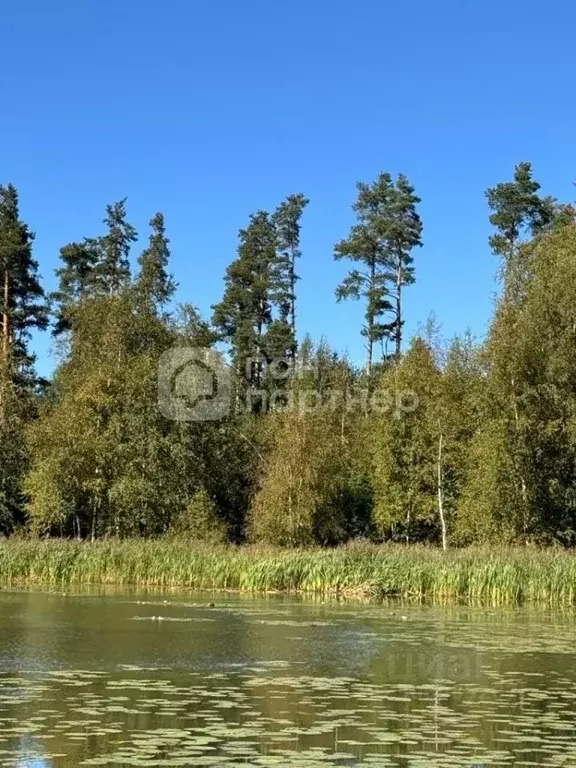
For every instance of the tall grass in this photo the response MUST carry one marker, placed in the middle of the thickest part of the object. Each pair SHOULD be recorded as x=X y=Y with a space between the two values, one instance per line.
x=492 y=576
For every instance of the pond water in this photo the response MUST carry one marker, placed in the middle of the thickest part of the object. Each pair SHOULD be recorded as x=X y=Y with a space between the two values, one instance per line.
x=99 y=679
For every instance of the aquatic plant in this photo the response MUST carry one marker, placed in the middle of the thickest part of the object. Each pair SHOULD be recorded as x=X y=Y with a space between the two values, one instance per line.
x=495 y=576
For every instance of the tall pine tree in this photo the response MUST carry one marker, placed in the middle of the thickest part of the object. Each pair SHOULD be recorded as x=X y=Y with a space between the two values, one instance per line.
x=154 y=285
x=22 y=308
x=22 y=302
x=286 y=220
x=517 y=210
x=244 y=315
x=75 y=280
x=387 y=230
x=95 y=267
x=113 y=269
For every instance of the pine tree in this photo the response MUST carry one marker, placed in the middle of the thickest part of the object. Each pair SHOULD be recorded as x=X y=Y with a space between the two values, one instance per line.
x=95 y=267
x=402 y=229
x=113 y=268
x=75 y=281
x=154 y=285
x=22 y=302
x=517 y=209
x=244 y=315
x=387 y=231
x=286 y=220
x=22 y=307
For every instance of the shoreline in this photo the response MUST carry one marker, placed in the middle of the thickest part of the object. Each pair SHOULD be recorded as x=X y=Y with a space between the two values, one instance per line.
x=489 y=576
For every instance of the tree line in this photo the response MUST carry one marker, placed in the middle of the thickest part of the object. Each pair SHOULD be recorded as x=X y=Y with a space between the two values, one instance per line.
x=449 y=442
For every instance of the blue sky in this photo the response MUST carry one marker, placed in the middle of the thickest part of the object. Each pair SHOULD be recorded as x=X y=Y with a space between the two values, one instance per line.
x=209 y=111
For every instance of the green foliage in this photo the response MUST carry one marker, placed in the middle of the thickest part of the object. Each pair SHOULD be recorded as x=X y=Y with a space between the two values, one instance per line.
x=387 y=231
x=22 y=308
x=16 y=410
x=154 y=286
x=199 y=521
x=75 y=280
x=517 y=208
x=286 y=220
x=22 y=303
x=529 y=421
x=299 y=481
x=405 y=448
x=113 y=268
x=97 y=267
x=488 y=576
x=245 y=312
x=448 y=443
x=315 y=482
x=257 y=315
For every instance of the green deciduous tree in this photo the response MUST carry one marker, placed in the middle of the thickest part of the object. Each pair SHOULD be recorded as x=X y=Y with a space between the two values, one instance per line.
x=523 y=486
x=314 y=487
x=405 y=448
x=518 y=213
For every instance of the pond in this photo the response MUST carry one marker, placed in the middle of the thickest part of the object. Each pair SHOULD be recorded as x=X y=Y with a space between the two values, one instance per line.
x=150 y=679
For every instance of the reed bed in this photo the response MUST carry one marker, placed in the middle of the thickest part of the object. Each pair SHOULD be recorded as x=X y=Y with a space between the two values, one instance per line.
x=493 y=576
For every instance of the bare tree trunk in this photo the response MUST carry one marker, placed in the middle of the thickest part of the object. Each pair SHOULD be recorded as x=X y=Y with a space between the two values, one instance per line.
x=441 y=495
x=6 y=316
x=398 y=313
x=408 y=525
x=370 y=343
x=259 y=352
x=293 y=306
x=369 y=360
x=5 y=341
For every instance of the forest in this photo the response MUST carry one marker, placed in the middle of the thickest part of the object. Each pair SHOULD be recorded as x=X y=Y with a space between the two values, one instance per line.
x=447 y=442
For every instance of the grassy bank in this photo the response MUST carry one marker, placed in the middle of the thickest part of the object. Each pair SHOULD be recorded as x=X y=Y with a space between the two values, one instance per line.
x=493 y=576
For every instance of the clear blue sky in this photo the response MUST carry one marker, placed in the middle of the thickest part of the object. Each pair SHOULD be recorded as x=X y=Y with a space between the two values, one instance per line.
x=211 y=110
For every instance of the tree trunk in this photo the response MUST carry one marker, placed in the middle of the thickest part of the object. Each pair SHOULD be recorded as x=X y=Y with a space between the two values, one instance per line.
x=398 y=313
x=408 y=525
x=6 y=316
x=258 y=370
x=293 y=306
x=370 y=352
x=370 y=320
x=4 y=367
x=441 y=495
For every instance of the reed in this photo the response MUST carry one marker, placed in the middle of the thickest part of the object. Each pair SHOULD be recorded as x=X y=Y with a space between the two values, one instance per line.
x=494 y=576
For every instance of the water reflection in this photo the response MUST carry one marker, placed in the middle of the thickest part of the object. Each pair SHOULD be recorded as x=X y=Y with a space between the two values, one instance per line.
x=100 y=679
